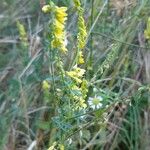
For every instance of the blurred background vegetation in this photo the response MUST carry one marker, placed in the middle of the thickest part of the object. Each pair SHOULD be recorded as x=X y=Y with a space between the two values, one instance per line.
x=118 y=69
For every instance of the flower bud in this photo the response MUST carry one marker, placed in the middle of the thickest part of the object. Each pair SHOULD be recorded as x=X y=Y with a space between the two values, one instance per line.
x=46 y=8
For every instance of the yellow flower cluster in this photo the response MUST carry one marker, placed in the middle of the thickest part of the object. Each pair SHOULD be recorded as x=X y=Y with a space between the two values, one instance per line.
x=82 y=34
x=23 y=34
x=81 y=103
x=58 y=42
x=79 y=99
x=77 y=3
x=60 y=17
x=147 y=31
x=84 y=88
x=76 y=74
x=59 y=29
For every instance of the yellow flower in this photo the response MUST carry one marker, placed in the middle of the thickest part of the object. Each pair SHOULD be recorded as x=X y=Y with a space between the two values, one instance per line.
x=147 y=30
x=71 y=73
x=77 y=79
x=60 y=14
x=56 y=43
x=46 y=8
x=59 y=41
x=58 y=29
x=84 y=88
x=147 y=34
x=80 y=58
x=82 y=34
x=59 y=25
x=81 y=21
x=77 y=3
x=45 y=85
x=82 y=103
x=76 y=74
x=81 y=44
x=74 y=87
x=22 y=33
x=64 y=49
x=79 y=72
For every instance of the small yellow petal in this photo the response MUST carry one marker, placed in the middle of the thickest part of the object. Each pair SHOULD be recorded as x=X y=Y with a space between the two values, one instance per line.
x=80 y=58
x=45 y=85
x=46 y=8
x=64 y=49
x=77 y=3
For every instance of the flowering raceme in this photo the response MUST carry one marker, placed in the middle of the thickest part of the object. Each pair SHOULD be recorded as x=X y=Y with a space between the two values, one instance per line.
x=147 y=30
x=60 y=16
x=80 y=88
x=82 y=34
x=79 y=94
x=58 y=26
x=22 y=33
x=70 y=91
